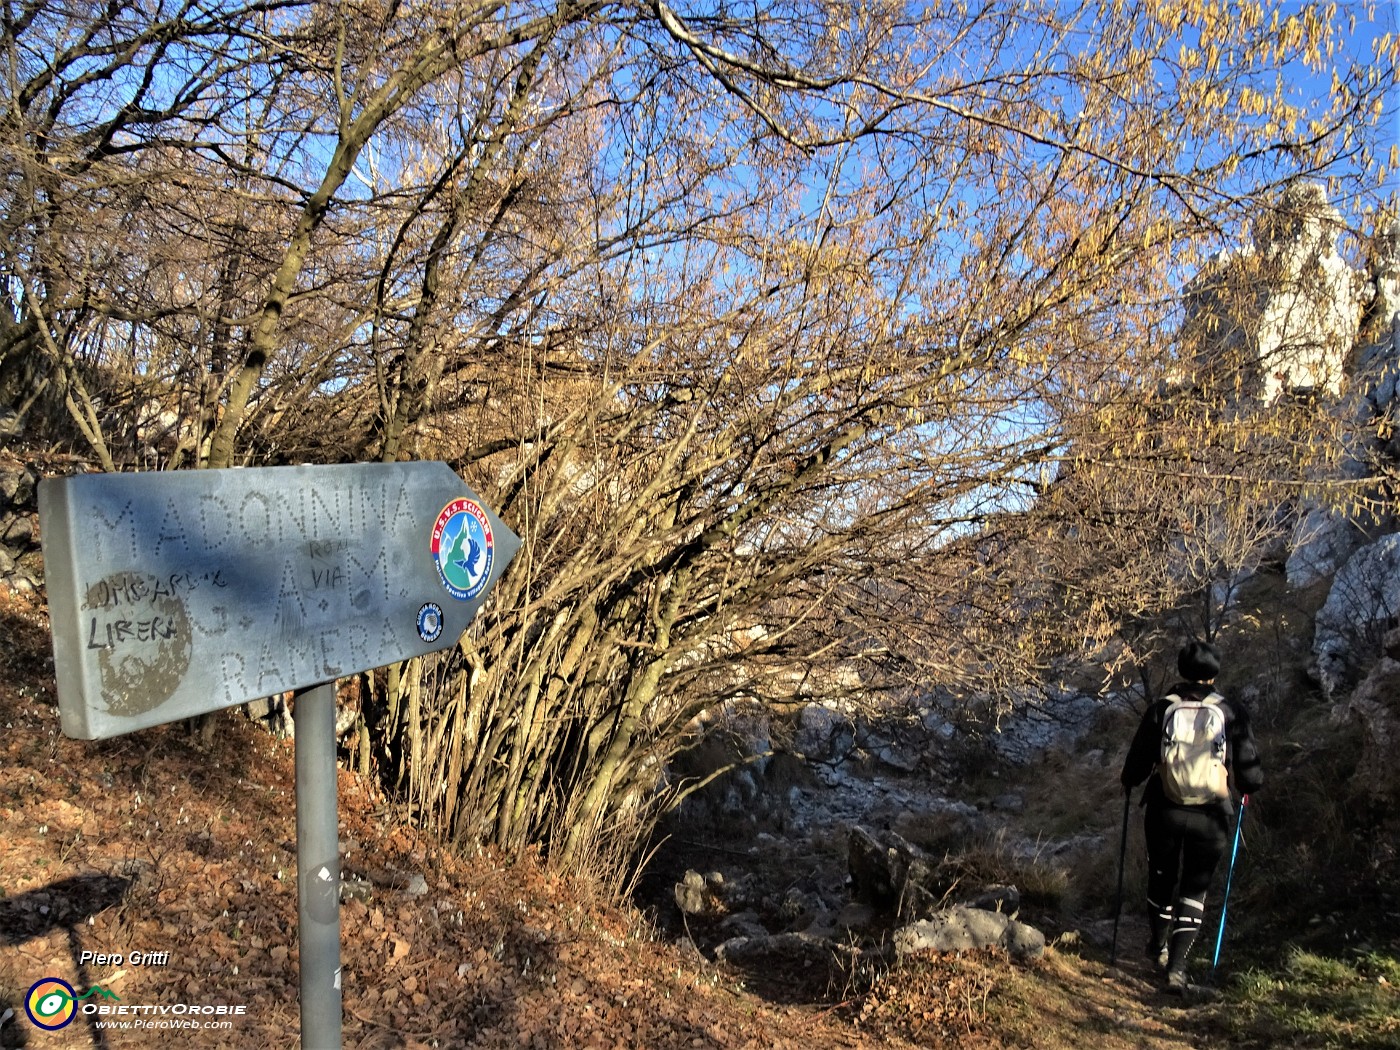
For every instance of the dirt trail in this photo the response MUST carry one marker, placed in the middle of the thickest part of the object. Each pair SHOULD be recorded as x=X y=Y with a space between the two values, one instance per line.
x=147 y=844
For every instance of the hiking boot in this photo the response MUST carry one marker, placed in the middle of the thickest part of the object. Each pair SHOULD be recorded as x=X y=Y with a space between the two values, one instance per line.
x=1159 y=938
x=1185 y=926
x=1158 y=954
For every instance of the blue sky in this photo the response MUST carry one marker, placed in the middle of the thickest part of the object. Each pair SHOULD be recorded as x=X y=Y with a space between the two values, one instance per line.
x=1375 y=20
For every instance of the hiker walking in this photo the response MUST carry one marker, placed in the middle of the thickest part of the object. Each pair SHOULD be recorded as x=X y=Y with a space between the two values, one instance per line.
x=1188 y=746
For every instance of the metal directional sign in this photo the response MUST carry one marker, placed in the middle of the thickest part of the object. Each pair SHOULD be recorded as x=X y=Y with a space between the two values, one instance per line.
x=174 y=594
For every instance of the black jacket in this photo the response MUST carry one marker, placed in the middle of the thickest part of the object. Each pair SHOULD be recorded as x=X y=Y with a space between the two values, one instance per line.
x=1242 y=754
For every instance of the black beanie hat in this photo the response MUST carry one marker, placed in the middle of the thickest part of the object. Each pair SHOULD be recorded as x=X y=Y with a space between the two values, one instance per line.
x=1198 y=662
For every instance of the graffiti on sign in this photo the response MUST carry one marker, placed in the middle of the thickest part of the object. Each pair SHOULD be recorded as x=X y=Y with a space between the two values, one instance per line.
x=179 y=593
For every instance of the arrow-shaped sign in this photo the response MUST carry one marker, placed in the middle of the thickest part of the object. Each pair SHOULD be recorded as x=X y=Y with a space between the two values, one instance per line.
x=174 y=594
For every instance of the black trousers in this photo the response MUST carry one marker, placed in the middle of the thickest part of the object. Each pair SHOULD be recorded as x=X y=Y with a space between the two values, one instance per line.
x=1184 y=847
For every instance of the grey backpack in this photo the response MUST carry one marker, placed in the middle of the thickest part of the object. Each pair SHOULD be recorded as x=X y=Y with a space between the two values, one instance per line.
x=1192 y=762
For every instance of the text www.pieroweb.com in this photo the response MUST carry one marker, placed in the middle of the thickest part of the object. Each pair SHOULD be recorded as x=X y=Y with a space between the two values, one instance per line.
x=179 y=1017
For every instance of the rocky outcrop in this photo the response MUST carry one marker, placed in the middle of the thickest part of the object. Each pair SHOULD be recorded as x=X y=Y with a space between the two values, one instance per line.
x=823 y=734
x=20 y=569
x=961 y=929
x=1325 y=538
x=1375 y=705
x=1042 y=721
x=887 y=875
x=698 y=894
x=21 y=559
x=892 y=875
x=1363 y=604
x=887 y=872
x=801 y=949
x=1282 y=313
x=1310 y=310
x=1288 y=314
x=894 y=884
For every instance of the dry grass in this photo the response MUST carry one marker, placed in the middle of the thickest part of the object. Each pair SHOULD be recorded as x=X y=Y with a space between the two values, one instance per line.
x=148 y=840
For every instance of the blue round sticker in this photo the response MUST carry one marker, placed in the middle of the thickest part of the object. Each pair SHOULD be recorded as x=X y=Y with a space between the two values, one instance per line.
x=430 y=622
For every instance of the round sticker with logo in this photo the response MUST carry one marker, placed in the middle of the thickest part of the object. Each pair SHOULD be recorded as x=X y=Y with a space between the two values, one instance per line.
x=430 y=622
x=463 y=548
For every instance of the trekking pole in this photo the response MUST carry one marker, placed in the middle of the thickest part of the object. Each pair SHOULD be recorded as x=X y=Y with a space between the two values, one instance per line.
x=1229 y=876
x=1122 y=856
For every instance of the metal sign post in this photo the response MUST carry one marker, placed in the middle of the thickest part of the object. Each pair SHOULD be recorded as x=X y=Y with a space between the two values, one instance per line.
x=318 y=868
x=175 y=594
